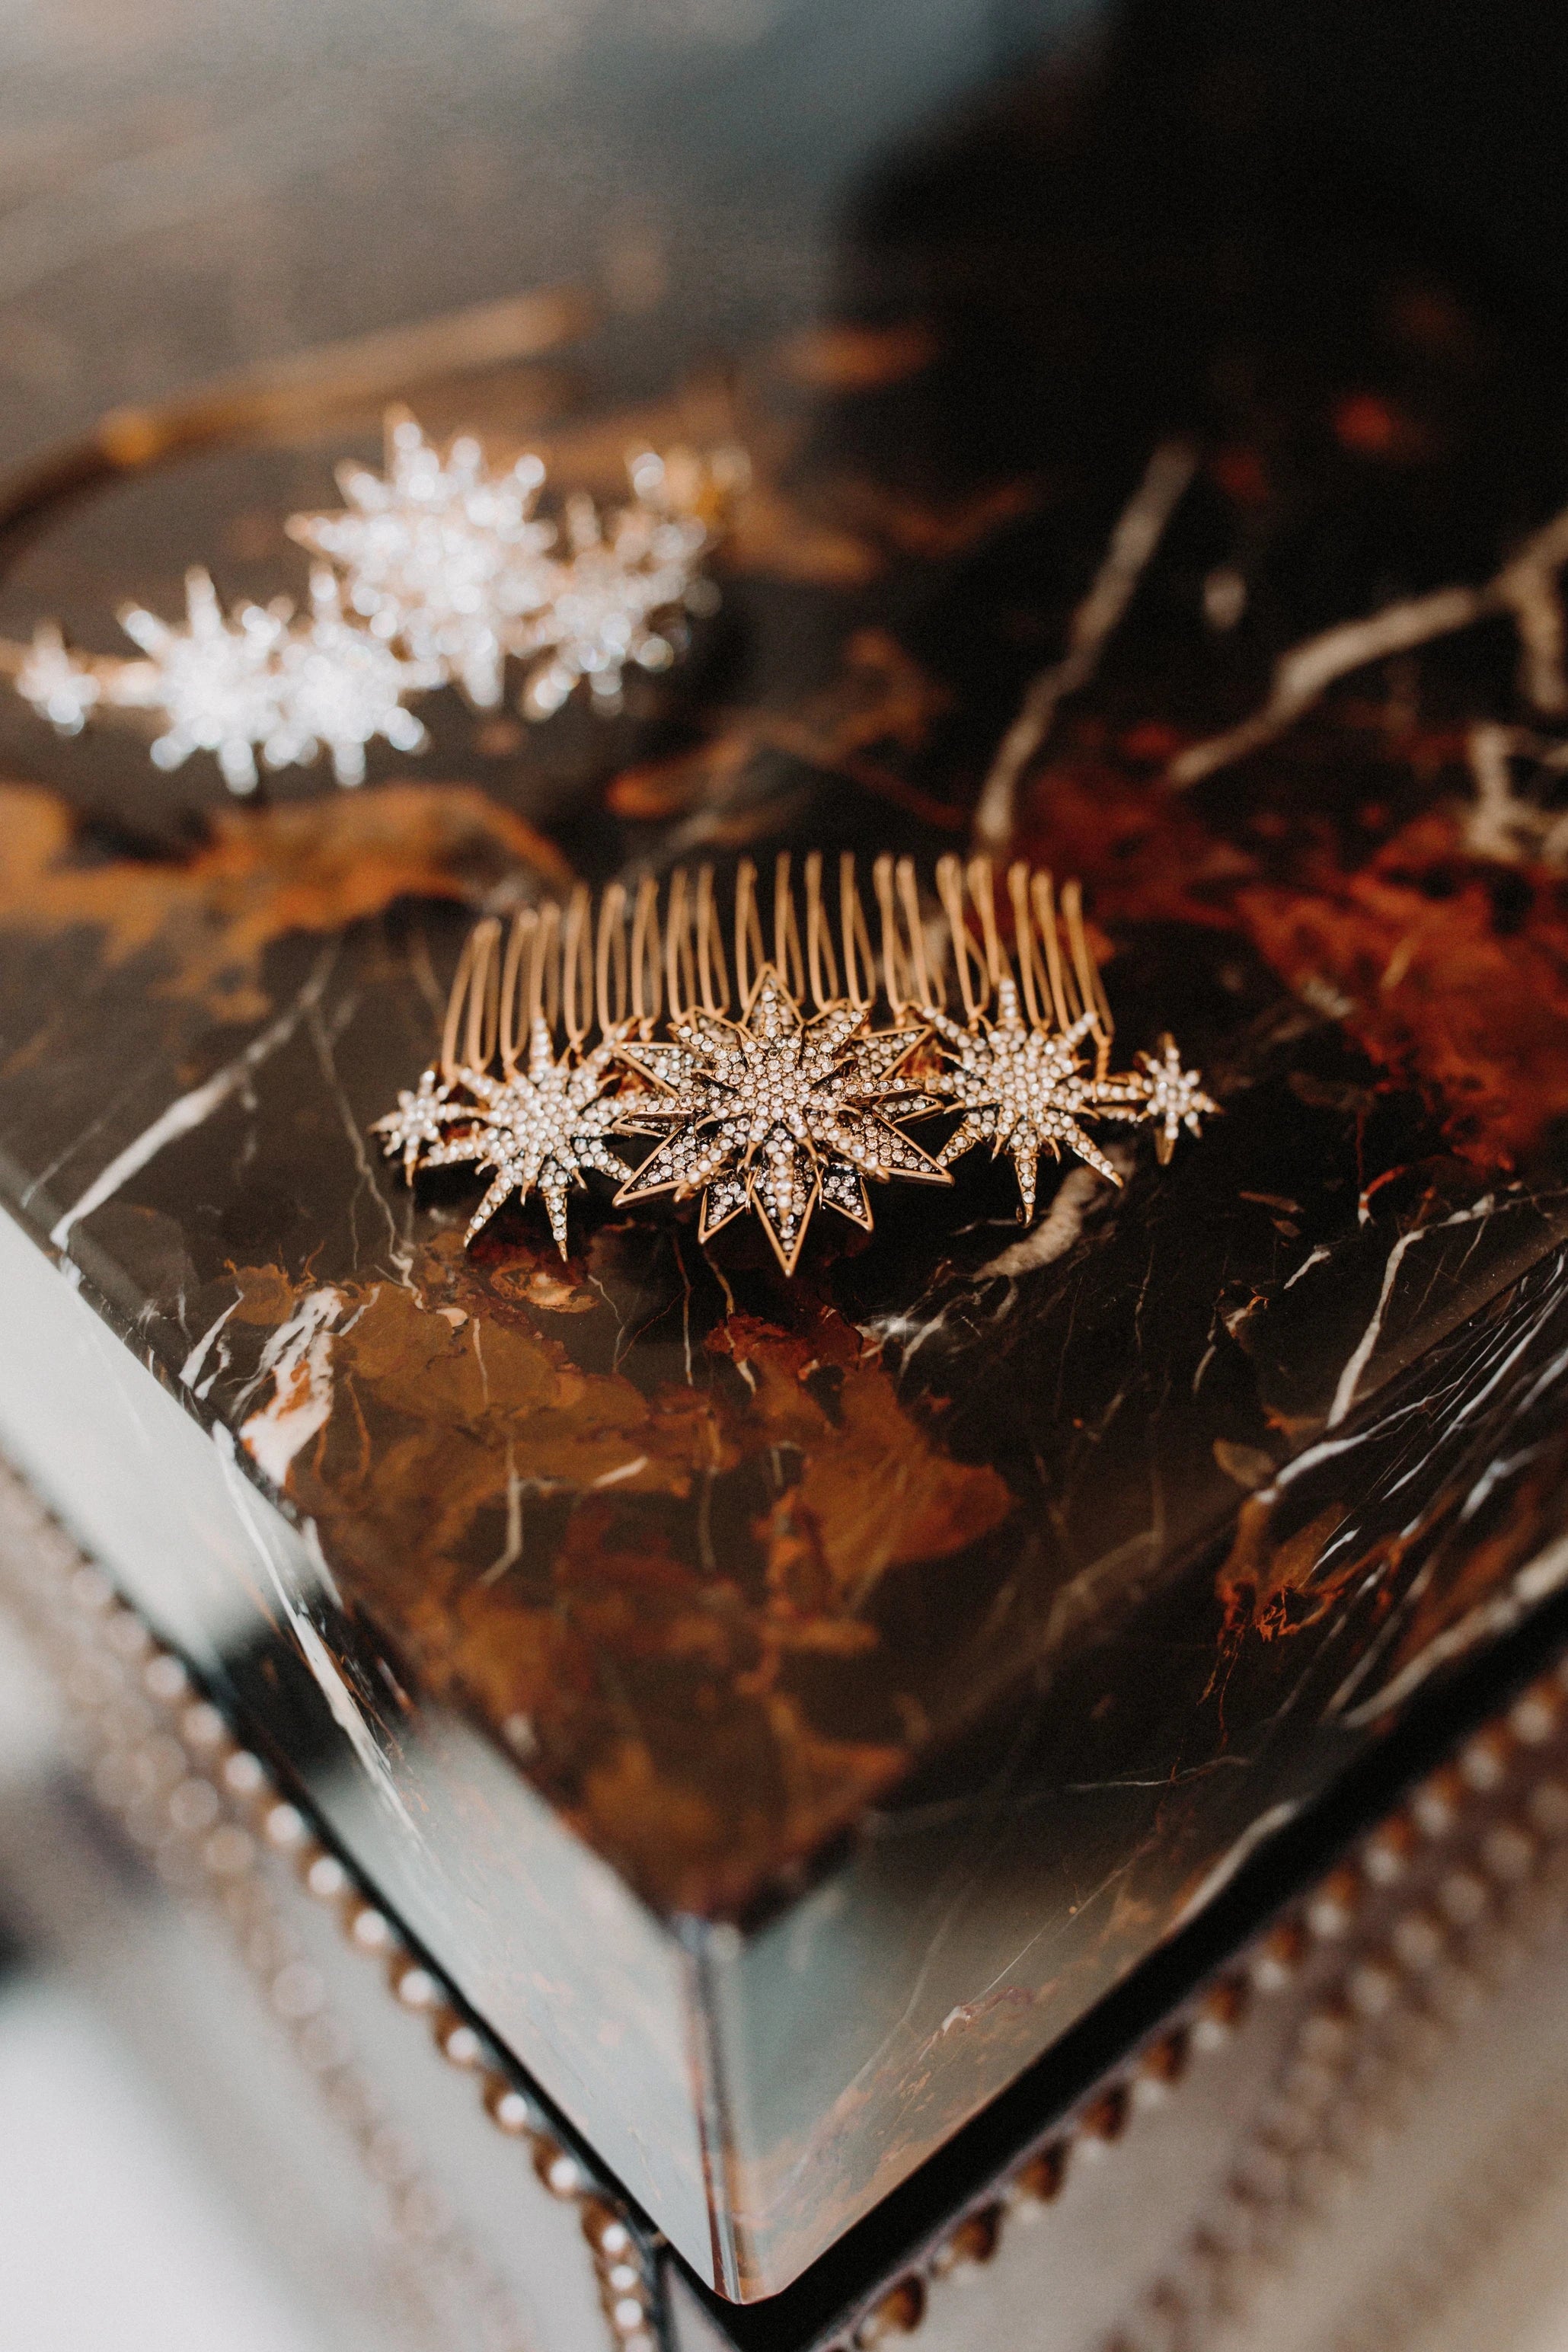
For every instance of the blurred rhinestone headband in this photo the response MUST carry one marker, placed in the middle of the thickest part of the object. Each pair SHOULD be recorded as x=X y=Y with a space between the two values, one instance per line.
x=780 y=1076
x=439 y=572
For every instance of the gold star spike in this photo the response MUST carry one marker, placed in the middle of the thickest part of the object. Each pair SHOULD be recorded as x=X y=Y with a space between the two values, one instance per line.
x=537 y=1129
x=1162 y=1093
x=1022 y=1090
x=775 y=1113
x=420 y=1121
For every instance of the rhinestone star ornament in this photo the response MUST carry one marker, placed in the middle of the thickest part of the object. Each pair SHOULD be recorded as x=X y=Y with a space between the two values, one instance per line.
x=1162 y=1094
x=443 y=553
x=60 y=689
x=775 y=1113
x=339 y=688
x=620 y=599
x=779 y=1110
x=1022 y=1090
x=420 y=1122
x=438 y=573
x=537 y=1129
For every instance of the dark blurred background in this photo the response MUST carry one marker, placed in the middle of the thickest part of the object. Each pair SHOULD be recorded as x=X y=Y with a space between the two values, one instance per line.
x=187 y=186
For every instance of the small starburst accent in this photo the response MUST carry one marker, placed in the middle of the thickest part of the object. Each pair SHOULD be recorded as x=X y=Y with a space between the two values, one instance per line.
x=775 y=1113
x=537 y=1129
x=1163 y=1094
x=1022 y=1090
x=443 y=553
x=420 y=1122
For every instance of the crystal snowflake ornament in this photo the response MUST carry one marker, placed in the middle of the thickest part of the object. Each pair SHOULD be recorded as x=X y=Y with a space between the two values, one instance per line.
x=256 y=681
x=442 y=554
x=1023 y=1089
x=339 y=688
x=538 y=1128
x=421 y=1121
x=216 y=682
x=621 y=599
x=774 y=1113
x=1161 y=1094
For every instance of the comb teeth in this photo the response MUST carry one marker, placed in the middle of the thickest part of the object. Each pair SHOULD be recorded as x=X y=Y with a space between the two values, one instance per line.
x=593 y=966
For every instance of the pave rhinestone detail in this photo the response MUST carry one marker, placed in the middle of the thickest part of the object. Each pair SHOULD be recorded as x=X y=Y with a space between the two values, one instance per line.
x=775 y=1113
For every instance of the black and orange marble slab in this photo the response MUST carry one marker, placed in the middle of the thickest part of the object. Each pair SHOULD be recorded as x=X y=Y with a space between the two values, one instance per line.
x=906 y=1649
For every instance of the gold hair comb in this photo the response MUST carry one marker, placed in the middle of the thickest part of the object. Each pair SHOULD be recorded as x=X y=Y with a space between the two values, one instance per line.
x=781 y=1075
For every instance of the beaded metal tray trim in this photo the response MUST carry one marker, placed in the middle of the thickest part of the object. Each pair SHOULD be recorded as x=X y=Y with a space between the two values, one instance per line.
x=1481 y=1844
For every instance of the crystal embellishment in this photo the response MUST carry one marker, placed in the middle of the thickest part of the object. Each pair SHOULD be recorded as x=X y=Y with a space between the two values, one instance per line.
x=537 y=1129
x=443 y=554
x=1022 y=1090
x=338 y=688
x=255 y=681
x=214 y=682
x=621 y=597
x=438 y=572
x=795 y=1101
x=60 y=689
x=1162 y=1094
x=420 y=1122
x=776 y=1113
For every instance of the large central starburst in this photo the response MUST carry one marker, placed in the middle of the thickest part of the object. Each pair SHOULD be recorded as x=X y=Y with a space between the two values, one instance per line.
x=1022 y=1090
x=775 y=1113
x=538 y=1128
